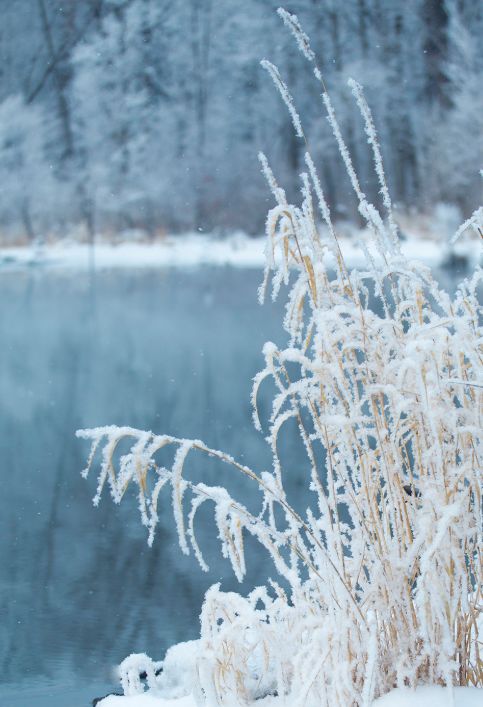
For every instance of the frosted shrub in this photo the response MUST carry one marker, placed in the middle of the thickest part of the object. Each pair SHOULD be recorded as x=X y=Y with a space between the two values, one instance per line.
x=384 y=577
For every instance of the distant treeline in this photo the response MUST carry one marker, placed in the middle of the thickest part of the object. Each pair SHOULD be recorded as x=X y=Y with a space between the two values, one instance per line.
x=148 y=114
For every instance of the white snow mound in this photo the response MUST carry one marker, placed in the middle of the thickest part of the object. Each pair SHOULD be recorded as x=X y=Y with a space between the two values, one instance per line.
x=421 y=697
x=432 y=697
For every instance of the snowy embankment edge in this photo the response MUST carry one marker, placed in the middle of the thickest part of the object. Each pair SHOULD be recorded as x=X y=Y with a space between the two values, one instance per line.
x=237 y=250
x=421 y=697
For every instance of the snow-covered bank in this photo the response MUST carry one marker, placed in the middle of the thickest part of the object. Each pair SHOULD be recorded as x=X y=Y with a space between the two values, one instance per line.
x=145 y=701
x=432 y=697
x=238 y=250
x=421 y=697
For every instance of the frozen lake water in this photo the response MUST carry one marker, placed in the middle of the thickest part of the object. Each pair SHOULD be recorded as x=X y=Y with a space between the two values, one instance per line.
x=168 y=350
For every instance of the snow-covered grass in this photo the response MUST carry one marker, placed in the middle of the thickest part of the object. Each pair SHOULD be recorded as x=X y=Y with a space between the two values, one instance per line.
x=381 y=574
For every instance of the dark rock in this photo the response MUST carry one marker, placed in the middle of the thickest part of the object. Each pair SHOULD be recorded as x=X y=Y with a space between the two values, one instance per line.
x=412 y=490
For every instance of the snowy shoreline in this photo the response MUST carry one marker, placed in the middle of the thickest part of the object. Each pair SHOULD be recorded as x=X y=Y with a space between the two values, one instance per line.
x=421 y=697
x=238 y=250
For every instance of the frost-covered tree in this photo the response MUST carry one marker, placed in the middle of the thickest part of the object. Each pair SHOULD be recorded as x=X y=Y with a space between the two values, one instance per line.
x=155 y=108
x=456 y=146
x=28 y=186
x=118 y=92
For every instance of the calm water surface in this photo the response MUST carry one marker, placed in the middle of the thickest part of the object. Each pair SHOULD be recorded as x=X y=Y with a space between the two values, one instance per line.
x=171 y=351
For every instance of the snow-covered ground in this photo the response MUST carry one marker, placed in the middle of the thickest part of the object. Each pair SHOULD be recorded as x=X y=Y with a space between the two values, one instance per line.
x=191 y=250
x=422 y=697
x=146 y=701
x=433 y=697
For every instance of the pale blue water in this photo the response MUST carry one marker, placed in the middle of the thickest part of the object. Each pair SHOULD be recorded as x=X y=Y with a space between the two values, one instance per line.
x=171 y=351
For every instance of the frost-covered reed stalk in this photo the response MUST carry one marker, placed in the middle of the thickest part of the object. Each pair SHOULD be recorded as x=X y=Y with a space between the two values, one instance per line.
x=385 y=576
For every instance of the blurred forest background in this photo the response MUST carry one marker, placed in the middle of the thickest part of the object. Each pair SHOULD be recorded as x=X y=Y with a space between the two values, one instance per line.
x=147 y=115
